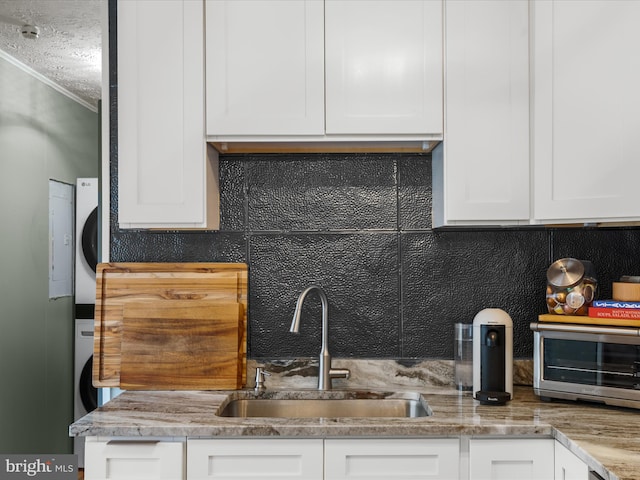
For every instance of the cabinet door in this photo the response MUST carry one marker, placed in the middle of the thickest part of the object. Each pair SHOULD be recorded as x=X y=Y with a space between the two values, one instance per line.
x=509 y=459
x=485 y=153
x=161 y=148
x=568 y=466
x=586 y=75
x=383 y=67
x=265 y=67
x=124 y=460
x=414 y=458
x=251 y=459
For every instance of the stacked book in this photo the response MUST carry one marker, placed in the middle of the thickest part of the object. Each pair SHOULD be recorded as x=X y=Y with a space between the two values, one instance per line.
x=625 y=304
x=615 y=309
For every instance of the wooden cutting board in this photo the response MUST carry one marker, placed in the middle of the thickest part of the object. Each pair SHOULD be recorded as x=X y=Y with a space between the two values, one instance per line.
x=121 y=284
x=180 y=345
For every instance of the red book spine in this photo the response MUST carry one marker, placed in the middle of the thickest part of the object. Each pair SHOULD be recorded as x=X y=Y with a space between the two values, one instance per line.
x=620 y=313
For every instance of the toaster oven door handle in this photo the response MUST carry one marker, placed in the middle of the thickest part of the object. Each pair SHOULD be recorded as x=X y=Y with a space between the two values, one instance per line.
x=574 y=328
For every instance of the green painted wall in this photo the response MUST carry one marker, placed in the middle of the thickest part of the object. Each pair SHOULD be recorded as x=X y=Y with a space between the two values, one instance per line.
x=43 y=135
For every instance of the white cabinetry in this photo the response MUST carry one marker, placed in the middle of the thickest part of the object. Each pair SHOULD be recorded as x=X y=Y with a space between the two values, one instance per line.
x=568 y=466
x=265 y=67
x=481 y=170
x=252 y=459
x=508 y=459
x=383 y=67
x=586 y=101
x=269 y=64
x=414 y=458
x=318 y=459
x=118 y=459
x=164 y=176
x=441 y=458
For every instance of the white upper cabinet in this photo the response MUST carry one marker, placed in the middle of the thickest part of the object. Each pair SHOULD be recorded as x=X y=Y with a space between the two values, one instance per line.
x=319 y=70
x=383 y=67
x=265 y=67
x=586 y=70
x=481 y=170
x=164 y=176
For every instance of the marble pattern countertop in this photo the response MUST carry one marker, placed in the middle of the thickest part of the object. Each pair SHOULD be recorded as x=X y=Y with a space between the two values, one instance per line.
x=606 y=438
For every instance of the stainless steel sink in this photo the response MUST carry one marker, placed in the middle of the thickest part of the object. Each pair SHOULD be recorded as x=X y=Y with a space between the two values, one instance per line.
x=405 y=405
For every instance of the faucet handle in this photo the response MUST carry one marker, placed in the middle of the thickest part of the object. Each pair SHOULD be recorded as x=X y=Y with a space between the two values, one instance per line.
x=339 y=373
x=261 y=373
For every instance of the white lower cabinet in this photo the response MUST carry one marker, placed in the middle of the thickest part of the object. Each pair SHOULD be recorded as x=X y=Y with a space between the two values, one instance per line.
x=328 y=459
x=442 y=458
x=412 y=458
x=510 y=459
x=251 y=459
x=568 y=466
x=122 y=459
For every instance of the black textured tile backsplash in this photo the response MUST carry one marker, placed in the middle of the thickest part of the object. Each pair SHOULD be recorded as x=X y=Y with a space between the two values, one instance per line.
x=321 y=193
x=359 y=225
x=414 y=192
x=233 y=204
x=160 y=246
x=359 y=273
x=448 y=277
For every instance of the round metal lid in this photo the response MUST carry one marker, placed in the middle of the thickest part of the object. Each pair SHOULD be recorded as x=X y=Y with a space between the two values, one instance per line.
x=565 y=272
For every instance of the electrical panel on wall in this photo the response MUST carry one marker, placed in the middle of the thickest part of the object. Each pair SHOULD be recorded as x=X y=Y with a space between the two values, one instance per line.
x=60 y=239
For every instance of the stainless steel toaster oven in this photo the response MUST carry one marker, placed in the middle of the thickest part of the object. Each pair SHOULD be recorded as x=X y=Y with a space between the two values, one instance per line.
x=587 y=362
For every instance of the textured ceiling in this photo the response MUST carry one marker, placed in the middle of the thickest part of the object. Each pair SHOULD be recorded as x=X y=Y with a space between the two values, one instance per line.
x=68 y=50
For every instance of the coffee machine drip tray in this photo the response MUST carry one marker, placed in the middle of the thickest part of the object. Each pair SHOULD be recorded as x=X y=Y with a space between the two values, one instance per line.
x=492 y=398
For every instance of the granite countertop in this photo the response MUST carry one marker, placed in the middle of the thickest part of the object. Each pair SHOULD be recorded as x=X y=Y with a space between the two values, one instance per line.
x=606 y=438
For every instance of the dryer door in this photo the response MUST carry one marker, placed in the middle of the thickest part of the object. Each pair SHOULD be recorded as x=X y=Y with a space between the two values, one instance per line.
x=90 y=239
x=88 y=393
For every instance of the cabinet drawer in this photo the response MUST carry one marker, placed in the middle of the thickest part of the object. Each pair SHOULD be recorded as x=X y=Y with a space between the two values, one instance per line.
x=251 y=459
x=508 y=459
x=413 y=458
x=124 y=460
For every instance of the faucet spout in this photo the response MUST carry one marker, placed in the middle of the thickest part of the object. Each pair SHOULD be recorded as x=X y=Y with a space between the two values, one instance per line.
x=326 y=373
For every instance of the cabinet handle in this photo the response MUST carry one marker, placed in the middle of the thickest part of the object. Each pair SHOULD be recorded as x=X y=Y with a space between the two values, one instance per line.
x=133 y=442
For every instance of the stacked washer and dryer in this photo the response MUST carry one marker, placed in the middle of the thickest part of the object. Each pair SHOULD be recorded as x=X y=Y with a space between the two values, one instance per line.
x=85 y=394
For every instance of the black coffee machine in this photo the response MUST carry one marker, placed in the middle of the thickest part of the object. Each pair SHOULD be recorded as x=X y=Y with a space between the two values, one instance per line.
x=492 y=357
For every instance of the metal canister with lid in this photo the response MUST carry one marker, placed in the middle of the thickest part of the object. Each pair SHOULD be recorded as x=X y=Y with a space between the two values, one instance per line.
x=571 y=286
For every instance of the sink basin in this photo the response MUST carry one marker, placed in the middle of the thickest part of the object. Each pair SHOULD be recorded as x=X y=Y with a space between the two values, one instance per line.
x=405 y=405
